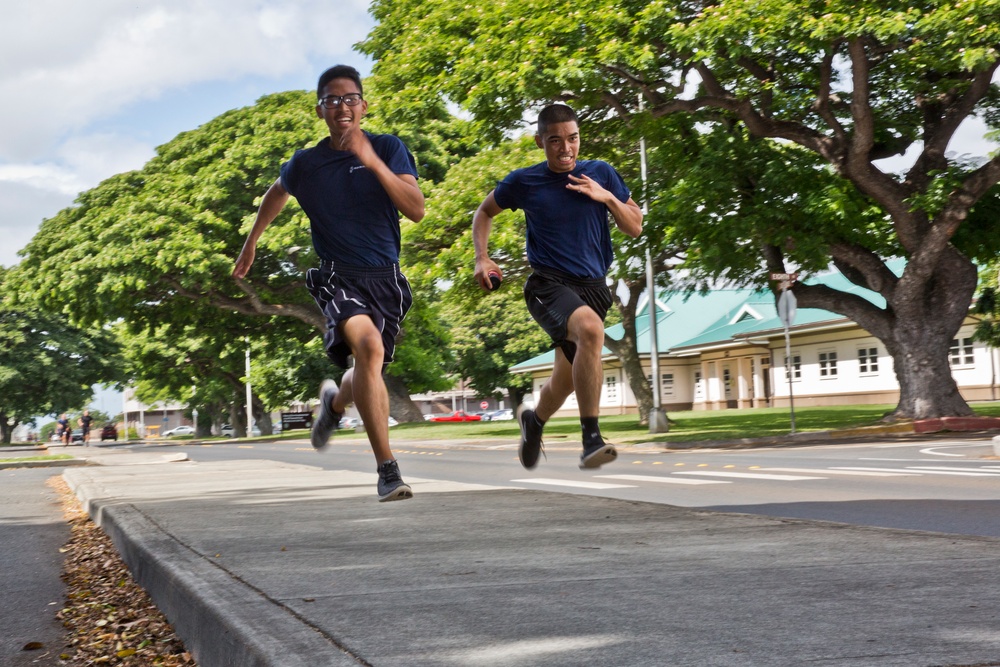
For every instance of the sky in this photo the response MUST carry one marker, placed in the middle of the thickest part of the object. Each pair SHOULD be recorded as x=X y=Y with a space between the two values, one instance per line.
x=90 y=89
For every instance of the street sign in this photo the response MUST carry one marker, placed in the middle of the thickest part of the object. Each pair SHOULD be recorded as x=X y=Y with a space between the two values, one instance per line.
x=484 y=405
x=786 y=307
x=785 y=277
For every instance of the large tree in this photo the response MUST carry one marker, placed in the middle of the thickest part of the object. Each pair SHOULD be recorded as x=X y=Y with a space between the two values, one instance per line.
x=156 y=246
x=48 y=366
x=848 y=82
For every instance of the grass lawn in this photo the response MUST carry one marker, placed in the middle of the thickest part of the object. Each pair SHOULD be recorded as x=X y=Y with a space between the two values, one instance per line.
x=49 y=457
x=684 y=426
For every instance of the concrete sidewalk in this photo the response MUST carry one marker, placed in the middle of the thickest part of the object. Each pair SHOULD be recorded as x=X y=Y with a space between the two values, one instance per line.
x=266 y=563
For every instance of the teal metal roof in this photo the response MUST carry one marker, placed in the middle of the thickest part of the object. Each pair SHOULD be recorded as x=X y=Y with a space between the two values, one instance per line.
x=687 y=322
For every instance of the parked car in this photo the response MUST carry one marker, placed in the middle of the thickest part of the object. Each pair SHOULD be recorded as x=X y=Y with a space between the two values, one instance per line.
x=109 y=432
x=457 y=416
x=502 y=415
x=76 y=436
x=227 y=431
x=179 y=430
x=349 y=422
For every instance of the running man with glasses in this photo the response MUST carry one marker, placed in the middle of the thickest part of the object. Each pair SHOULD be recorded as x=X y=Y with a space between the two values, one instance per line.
x=352 y=185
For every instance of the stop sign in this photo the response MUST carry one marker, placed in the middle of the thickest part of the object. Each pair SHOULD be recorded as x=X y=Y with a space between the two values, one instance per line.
x=484 y=405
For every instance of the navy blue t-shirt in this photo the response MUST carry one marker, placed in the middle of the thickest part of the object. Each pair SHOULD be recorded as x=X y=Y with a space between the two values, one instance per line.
x=352 y=218
x=566 y=230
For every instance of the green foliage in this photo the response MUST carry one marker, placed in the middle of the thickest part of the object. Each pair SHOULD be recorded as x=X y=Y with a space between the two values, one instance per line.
x=47 y=366
x=153 y=250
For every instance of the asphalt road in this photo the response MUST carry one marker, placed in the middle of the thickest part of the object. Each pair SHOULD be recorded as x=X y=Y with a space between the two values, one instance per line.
x=32 y=530
x=941 y=485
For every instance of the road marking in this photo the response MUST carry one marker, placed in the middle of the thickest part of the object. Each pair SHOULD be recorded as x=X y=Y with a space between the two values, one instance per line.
x=575 y=484
x=829 y=471
x=988 y=472
x=918 y=471
x=745 y=475
x=665 y=480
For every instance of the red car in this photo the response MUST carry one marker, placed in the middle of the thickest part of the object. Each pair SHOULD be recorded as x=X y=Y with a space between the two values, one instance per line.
x=458 y=416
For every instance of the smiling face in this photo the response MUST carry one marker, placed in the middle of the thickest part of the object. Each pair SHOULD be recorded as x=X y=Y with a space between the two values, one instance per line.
x=561 y=143
x=341 y=119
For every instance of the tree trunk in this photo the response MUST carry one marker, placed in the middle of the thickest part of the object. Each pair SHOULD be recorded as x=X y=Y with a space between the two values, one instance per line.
x=921 y=318
x=516 y=396
x=927 y=388
x=627 y=352
x=401 y=406
x=6 y=429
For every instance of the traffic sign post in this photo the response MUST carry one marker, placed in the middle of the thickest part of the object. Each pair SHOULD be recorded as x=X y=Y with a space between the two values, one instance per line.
x=786 y=311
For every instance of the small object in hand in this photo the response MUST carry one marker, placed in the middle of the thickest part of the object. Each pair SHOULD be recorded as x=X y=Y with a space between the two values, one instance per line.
x=494 y=280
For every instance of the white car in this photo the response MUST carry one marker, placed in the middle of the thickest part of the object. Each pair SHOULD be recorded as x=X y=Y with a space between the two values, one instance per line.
x=502 y=415
x=179 y=430
x=227 y=431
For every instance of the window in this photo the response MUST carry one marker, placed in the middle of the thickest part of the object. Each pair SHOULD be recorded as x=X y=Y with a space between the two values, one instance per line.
x=666 y=383
x=827 y=365
x=796 y=367
x=961 y=352
x=611 y=387
x=698 y=388
x=868 y=360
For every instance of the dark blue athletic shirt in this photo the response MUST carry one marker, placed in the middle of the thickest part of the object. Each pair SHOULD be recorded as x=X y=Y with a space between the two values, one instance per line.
x=353 y=221
x=566 y=230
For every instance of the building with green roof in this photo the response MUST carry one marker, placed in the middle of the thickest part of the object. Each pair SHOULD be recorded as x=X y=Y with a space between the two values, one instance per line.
x=727 y=349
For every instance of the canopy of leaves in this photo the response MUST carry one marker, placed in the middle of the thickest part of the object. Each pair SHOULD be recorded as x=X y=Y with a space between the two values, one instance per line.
x=48 y=366
x=154 y=249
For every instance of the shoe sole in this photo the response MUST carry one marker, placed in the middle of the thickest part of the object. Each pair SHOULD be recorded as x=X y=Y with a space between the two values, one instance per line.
x=605 y=454
x=520 y=448
x=323 y=446
x=401 y=492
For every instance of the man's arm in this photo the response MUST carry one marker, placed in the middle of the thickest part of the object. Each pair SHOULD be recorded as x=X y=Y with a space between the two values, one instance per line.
x=628 y=215
x=401 y=188
x=482 y=225
x=270 y=206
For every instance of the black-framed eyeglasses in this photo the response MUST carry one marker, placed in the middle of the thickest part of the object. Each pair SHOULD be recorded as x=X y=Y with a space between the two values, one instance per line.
x=334 y=101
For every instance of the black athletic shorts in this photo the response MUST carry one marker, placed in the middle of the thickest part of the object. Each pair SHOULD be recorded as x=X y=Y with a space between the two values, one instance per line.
x=341 y=292
x=553 y=296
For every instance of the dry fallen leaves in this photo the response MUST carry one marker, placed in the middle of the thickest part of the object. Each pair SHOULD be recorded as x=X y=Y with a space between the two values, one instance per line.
x=109 y=619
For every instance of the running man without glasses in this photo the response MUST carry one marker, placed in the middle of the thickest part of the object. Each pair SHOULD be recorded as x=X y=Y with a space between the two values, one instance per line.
x=566 y=203
x=352 y=185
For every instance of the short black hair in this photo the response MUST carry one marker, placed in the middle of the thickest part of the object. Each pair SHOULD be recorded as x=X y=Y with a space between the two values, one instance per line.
x=339 y=72
x=555 y=113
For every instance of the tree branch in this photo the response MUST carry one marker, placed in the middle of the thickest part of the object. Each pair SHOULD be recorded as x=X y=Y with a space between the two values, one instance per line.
x=253 y=304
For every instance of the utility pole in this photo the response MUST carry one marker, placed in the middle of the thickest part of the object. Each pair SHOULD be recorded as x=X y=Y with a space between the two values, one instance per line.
x=657 y=418
x=249 y=393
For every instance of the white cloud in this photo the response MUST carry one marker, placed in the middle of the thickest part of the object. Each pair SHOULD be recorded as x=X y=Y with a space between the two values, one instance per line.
x=67 y=63
x=77 y=80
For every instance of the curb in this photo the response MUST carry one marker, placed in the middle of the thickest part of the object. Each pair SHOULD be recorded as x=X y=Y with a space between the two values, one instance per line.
x=223 y=620
x=59 y=463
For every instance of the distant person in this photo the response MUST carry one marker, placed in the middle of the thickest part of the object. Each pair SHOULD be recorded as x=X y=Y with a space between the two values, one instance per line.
x=85 y=421
x=352 y=185
x=63 y=429
x=566 y=203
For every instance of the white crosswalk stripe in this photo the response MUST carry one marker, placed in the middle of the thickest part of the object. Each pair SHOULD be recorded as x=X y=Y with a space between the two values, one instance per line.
x=954 y=468
x=572 y=483
x=664 y=480
x=923 y=471
x=745 y=475
x=829 y=471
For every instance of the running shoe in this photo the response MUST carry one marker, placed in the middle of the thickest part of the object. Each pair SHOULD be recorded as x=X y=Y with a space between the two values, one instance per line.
x=390 y=484
x=327 y=421
x=531 y=438
x=597 y=454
